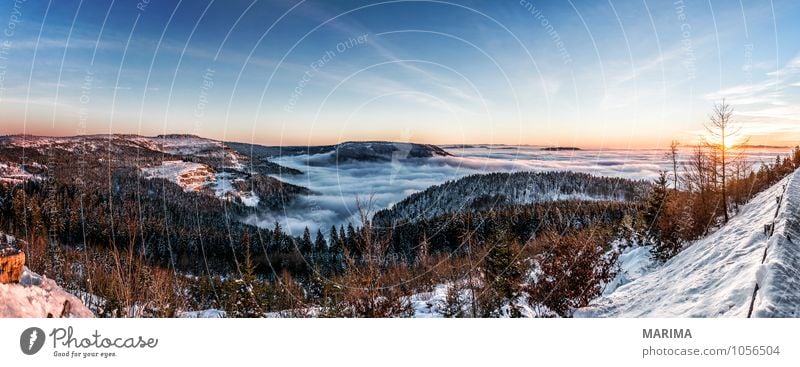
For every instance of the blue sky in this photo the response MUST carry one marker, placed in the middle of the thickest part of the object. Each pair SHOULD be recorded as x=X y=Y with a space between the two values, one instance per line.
x=587 y=73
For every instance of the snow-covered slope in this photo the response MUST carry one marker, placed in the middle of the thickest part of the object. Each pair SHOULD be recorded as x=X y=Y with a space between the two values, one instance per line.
x=191 y=176
x=198 y=176
x=779 y=277
x=37 y=296
x=13 y=173
x=716 y=276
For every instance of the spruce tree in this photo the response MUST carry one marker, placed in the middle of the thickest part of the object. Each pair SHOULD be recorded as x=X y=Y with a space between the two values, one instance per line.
x=319 y=243
x=305 y=243
x=653 y=208
x=334 y=241
x=504 y=273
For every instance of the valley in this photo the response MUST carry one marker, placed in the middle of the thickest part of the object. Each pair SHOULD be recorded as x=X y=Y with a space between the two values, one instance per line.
x=291 y=221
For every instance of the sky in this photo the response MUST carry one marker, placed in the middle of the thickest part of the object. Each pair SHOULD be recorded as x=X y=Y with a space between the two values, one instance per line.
x=600 y=74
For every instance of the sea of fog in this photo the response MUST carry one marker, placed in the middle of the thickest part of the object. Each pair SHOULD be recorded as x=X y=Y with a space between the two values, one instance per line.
x=378 y=185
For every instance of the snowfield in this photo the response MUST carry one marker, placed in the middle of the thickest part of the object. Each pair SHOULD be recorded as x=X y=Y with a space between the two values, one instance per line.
x=37 y=296
x=204 y=314
x=173 y=144
x=188 y=175
x=716 y=276
x=14 y=174
x=197 y=176
x=779 y=277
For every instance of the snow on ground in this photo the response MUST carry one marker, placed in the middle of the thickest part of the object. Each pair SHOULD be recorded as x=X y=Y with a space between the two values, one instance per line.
x=223 y=188
x=715 y=276
x=779 y=276
x=634 y=263
x=197 y=176
x=434 y=303
x=188 y=175
x=431 y=304
x=13 y=173
x=37 y=296
x=204 y=314
x=180 y=144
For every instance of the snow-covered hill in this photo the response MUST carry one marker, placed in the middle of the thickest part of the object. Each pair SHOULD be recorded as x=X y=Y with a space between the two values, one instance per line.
x=194 y=163
x=352 y=151
x=13 y=173
x=486 y=191
x=717 y=275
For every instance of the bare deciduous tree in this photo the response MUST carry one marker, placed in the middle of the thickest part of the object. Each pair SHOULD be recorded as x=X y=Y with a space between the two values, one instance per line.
x=672 y=154
x=721 y=132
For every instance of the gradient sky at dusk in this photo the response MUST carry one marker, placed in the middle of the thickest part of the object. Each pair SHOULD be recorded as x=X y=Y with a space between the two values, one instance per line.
x=587 y=73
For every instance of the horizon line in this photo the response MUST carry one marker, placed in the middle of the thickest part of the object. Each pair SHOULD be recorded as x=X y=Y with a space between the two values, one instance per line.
x=456 y=145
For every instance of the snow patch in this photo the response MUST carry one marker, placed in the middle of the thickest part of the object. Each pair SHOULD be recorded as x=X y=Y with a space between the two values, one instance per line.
x=779 y=277
x=203 y=314
x=634 y=263
x=37 y=296
x=188 y=175
x=13 y=173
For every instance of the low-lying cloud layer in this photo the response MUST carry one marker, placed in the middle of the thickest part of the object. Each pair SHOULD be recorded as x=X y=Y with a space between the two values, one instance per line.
x=384 y=183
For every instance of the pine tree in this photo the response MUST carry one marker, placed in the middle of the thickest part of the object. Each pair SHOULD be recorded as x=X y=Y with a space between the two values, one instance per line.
x=334 y=241
x=245 y=302
x=653 y=209
x=305 y=243
x=504 y=272
x=277 y=237
x=319 y=243
x=663 y=215
x=350 y=239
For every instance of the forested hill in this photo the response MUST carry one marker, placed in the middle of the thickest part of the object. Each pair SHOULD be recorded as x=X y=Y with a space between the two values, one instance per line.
x=486 y=191
x=360 y=151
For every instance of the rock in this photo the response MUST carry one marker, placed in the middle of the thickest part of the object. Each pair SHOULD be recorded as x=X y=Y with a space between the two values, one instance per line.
x=11 y=263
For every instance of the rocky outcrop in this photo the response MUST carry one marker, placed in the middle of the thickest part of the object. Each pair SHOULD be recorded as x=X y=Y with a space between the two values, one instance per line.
x=11 y=263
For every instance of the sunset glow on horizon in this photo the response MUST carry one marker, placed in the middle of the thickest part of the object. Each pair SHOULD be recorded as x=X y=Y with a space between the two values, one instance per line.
x=583 y=73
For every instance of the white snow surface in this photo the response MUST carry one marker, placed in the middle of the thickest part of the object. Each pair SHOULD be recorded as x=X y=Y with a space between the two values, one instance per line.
x=13 y=173
x=634 y=263
x=203 y=314
x=779 y=277
x=716 y=276
x=197 y=176
x=433 y=304
x=188 y=175
x=36 y=296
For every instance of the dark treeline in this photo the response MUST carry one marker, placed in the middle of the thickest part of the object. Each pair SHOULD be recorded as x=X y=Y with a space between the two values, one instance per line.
x=447 y=233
